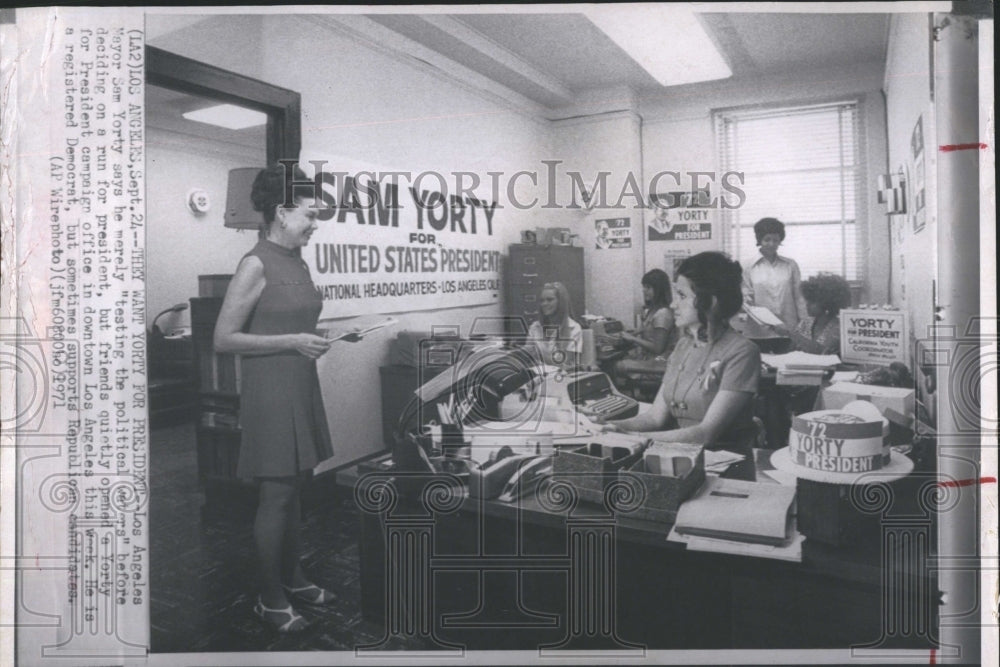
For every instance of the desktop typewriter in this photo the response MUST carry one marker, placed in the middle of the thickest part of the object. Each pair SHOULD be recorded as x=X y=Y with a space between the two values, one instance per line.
x=594 y=395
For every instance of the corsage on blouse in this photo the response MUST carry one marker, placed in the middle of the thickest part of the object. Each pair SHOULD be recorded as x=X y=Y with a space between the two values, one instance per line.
x=711 y=379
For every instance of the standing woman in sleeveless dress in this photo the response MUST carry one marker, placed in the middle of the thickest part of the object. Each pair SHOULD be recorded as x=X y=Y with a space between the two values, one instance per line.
x=269 y=317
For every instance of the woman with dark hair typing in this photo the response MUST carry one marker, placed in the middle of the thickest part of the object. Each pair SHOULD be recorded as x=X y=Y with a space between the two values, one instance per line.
x=657 y=337
x=712 y=376
x=269 y=317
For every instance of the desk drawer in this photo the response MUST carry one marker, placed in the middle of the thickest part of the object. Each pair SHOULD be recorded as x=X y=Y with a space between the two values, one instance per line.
x=522 y=298
x=527 y=267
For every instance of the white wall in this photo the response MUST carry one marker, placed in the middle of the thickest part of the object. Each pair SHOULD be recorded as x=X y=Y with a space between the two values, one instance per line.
x=607 y=142
x=180 y=244
x=913 y=255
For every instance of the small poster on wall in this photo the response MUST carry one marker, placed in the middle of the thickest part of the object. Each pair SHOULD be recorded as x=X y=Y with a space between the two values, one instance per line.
x=919 y=200
x=680 y=216
x=672 y=260
x=613 y=233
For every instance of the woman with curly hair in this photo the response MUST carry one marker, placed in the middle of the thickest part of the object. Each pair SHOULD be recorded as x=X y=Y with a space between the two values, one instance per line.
x=819 y=332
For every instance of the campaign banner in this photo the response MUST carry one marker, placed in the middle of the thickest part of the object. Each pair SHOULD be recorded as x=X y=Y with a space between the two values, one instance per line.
x=392 y=241
x=873 y=336
x=613 y=233
x=680 y=216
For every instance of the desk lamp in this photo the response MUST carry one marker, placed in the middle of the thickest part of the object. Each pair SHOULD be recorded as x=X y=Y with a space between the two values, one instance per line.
x=154 y=331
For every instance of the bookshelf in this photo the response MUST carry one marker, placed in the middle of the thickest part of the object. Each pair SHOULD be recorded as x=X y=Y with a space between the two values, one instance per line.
x=217 y=431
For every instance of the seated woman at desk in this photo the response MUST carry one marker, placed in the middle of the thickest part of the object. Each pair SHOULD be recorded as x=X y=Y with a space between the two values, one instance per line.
x=657 y=336
x=556 y=334
x=712 y=376
x=819 y=333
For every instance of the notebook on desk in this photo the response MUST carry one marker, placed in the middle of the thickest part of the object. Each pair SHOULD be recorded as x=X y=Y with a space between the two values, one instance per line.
x=736 y=510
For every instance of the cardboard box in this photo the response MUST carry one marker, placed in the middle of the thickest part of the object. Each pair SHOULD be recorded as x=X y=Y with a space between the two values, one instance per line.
x=895 y=403
x=552 y=235
x=664 y=494
x=589 y=471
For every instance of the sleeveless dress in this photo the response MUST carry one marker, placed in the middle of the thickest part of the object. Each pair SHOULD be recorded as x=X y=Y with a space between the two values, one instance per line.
x=281 y=409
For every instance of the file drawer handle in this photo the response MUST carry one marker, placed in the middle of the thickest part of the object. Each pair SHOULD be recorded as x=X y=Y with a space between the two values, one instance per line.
x=529 y=260
x=529 y=275
x=530 y=298
x=531 y=312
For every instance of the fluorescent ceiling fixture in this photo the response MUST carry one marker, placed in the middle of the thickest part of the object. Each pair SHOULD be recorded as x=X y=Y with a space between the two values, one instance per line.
x=229 y=116
x=669 y=42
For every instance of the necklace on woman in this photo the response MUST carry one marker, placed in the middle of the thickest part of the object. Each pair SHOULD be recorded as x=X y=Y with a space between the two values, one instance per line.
x=682 y=404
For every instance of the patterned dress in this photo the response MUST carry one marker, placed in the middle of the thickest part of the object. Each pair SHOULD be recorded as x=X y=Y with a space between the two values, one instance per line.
x=281 y=409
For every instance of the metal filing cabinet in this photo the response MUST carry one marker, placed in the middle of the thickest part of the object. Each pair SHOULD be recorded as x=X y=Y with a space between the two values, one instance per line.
x=531 y=266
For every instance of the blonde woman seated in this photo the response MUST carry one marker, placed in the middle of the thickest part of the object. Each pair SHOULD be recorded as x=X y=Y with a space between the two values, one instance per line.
x=712 y=376
x=556 y=334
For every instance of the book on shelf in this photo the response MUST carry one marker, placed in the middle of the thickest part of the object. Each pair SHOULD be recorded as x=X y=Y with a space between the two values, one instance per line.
x=220 y=419
x=733 y=509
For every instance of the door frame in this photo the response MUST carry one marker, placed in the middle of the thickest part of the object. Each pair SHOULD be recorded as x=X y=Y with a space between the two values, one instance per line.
x=282 y=106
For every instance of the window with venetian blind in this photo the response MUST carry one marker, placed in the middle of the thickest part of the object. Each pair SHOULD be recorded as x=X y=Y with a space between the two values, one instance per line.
x=805 y=167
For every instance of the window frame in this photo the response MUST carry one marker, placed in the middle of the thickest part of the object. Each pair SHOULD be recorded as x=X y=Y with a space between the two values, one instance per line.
x=729 y=227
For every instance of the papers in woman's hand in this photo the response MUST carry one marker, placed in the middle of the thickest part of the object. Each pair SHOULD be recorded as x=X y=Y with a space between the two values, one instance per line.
x=763 y=316
x=332 y=335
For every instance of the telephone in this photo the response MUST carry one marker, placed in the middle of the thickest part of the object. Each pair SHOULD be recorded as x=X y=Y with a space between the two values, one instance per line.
x=527 y=477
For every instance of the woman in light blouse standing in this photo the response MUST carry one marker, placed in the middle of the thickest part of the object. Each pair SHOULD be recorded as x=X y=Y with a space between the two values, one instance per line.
x=772 y=281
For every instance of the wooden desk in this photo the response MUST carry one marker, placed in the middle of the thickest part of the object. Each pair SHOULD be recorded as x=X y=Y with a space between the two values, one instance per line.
x=551 y=572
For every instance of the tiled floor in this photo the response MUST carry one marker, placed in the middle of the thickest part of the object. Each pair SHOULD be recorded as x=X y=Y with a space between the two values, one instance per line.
x=202 y=571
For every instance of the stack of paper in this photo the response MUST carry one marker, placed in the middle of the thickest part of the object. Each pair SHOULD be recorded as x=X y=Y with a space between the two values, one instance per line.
x=800 y=361
x=732 y=509
x=801 y=367
x=790 y=549
x=718 y=461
